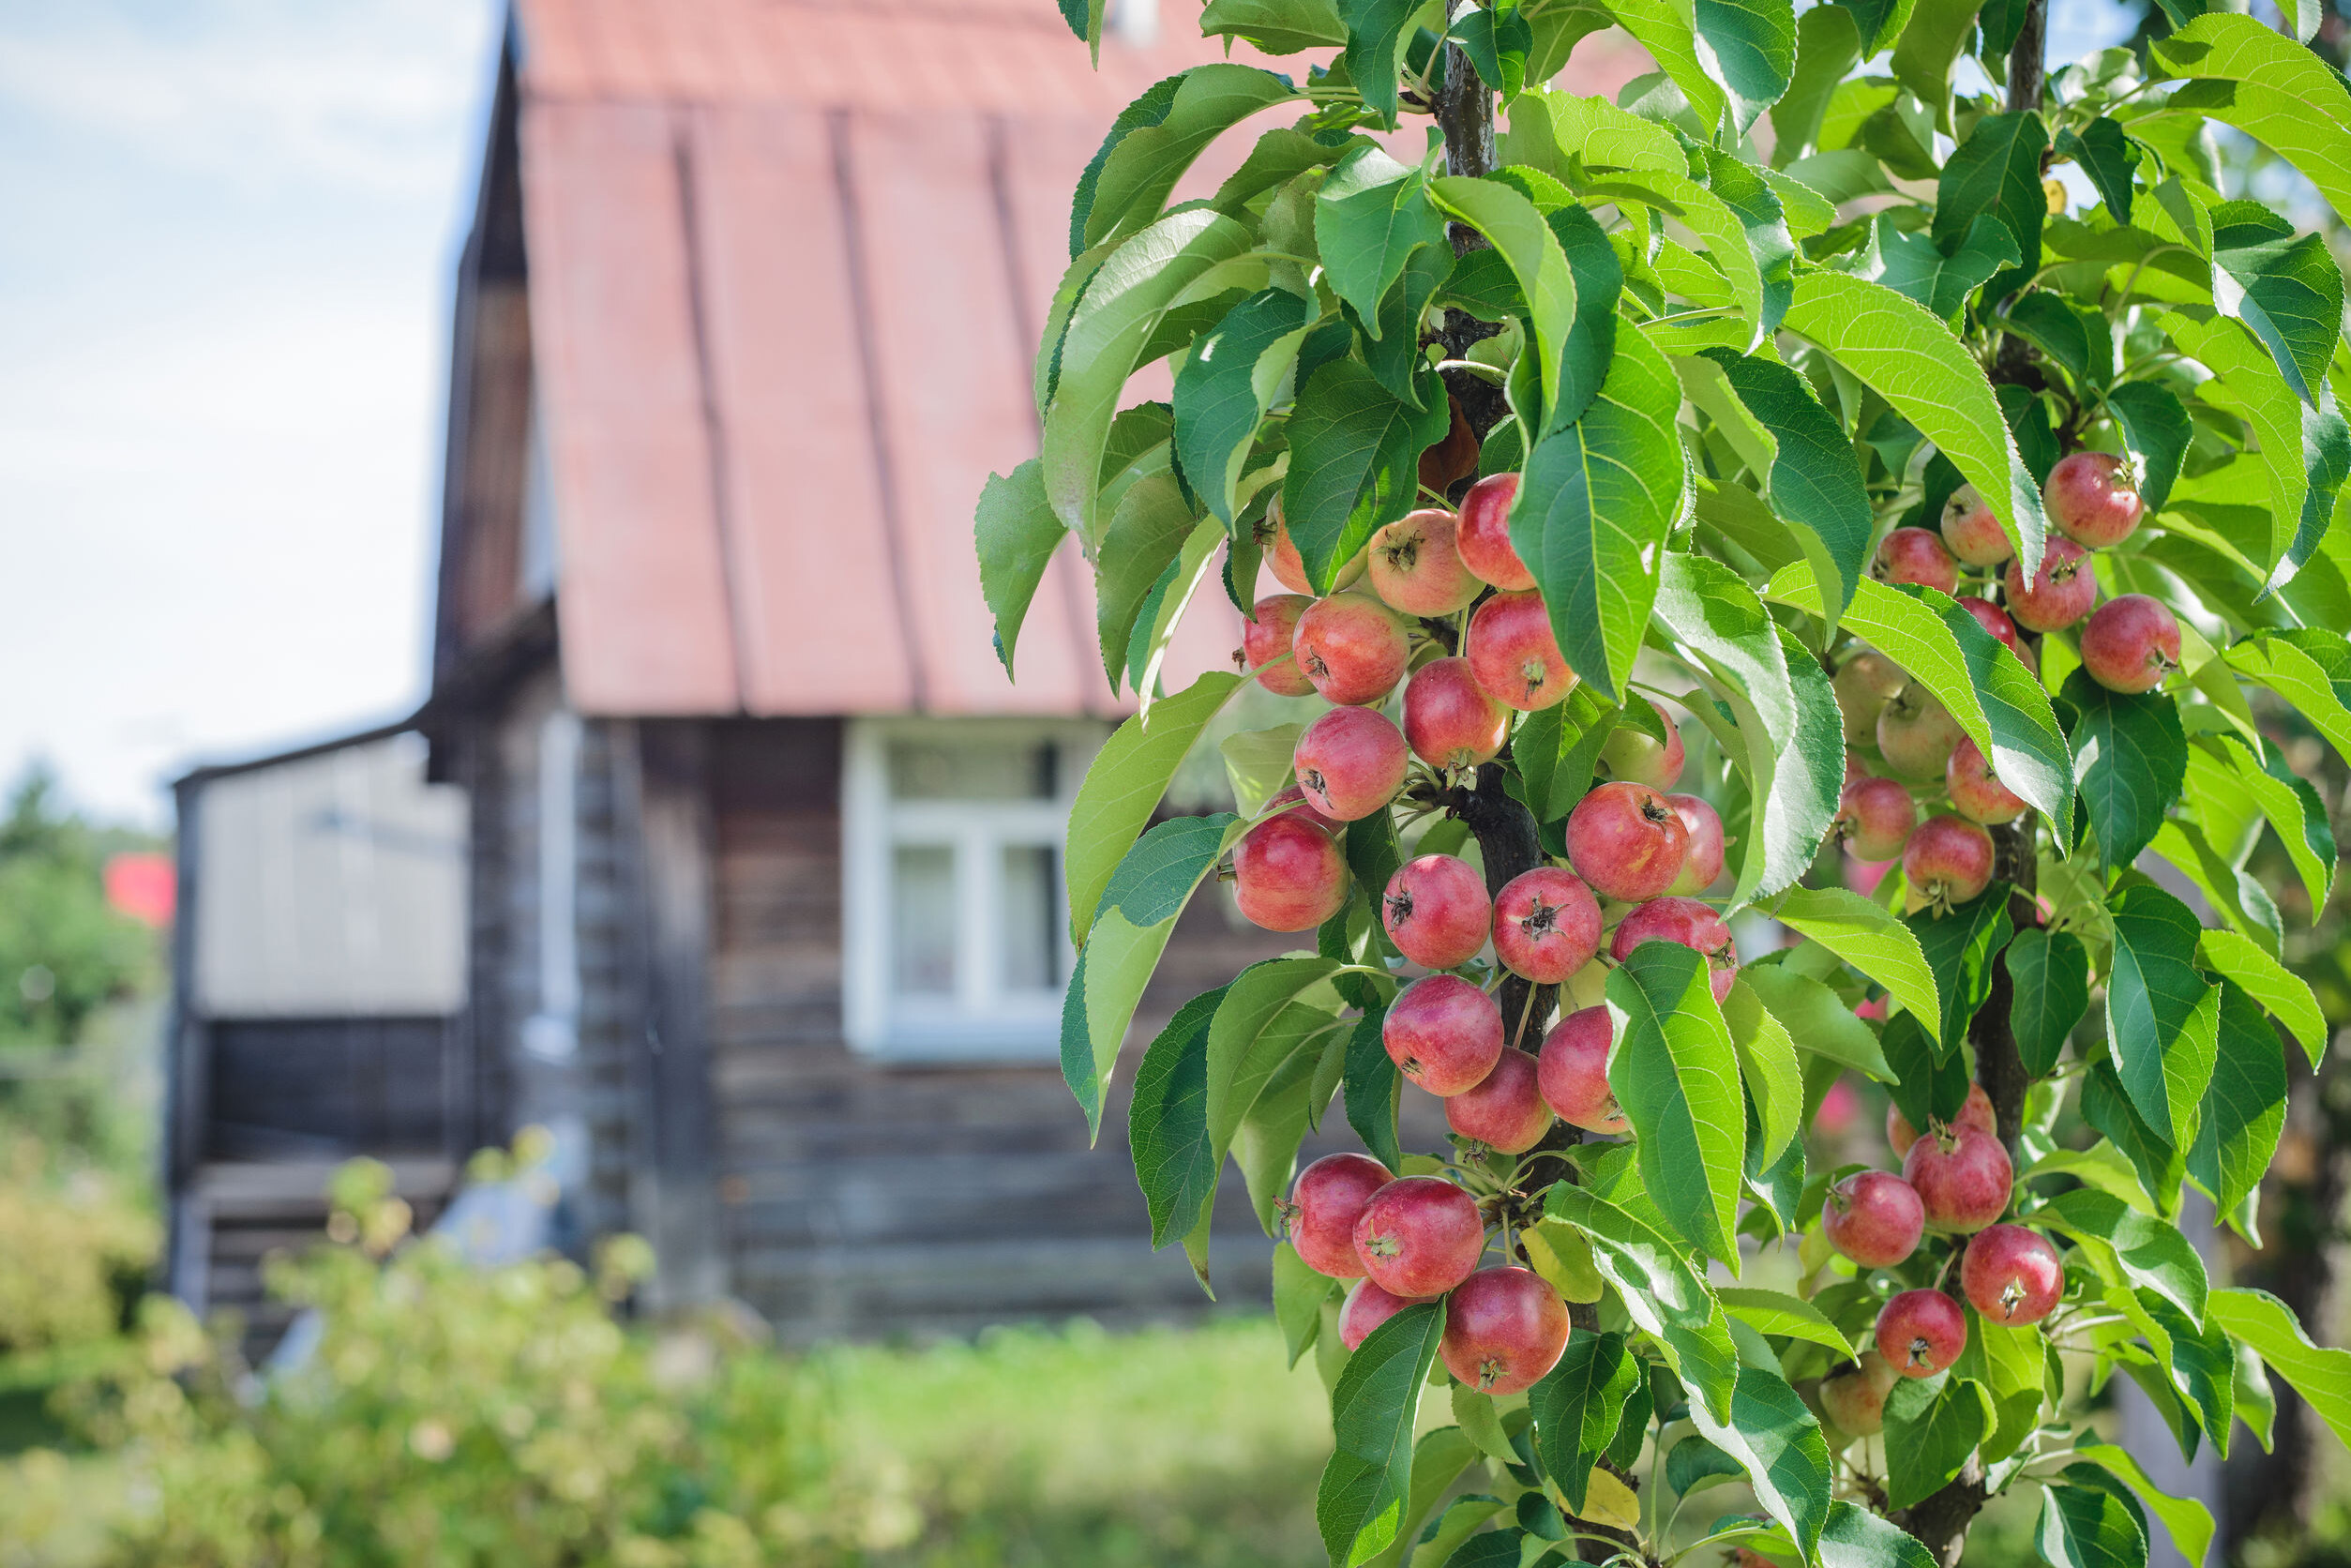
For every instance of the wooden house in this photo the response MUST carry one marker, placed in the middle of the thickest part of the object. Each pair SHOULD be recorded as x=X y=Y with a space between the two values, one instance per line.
x=759 y=907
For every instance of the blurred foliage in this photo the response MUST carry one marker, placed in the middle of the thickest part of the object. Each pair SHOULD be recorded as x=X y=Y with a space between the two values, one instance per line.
x=64 y=951
x=75 y=1248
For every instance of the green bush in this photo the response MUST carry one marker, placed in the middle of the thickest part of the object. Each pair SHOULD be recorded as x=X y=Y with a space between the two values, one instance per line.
x=74 y=1247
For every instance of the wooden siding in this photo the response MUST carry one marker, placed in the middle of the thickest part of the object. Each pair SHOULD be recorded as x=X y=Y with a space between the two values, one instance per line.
x=865 y=1199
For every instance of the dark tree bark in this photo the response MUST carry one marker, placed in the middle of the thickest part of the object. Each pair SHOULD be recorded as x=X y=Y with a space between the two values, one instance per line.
x=1465 y=112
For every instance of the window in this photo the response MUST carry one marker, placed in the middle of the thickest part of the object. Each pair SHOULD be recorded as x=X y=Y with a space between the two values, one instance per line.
x=957 y=934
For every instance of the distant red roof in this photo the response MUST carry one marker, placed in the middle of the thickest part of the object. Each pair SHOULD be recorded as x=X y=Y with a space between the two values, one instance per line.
x=788 y=260
x=142 y=885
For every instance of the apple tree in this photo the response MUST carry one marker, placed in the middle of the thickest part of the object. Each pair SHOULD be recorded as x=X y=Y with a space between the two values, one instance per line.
x=1806 y=494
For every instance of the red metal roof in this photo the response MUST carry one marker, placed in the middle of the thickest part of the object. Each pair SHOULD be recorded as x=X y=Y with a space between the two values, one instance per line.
x=788 y=260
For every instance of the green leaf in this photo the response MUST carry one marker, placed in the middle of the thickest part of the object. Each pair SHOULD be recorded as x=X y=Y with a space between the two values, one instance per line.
x=1857 y=1538
x=1105 y=987
x=1517 y=230
x=2130 y=759
x=1817 y=1018
x=1438 y=1460
x=1167 y=1127
x=1676 y=1076
x=1376 y=35
x=1156 y=139
x=2089 y=1521
x=2244 y=1110
x=1813 y=478
x=2159 y=1167
x=1371 y=1084
x=2111 y=161
x=1591 y=517
x=2143 y=1250
x=1275 y=26
x=1669 y=33
x=2159 y=1012
x=1753 y=45
x=1869 y=938
x=1911 y=360
x=1911 y=265
x=1370 y=215
x=1662 y=1293
x=1114 y=318
x=2293 y=807
x=1234 y=374
x=1124 y=785
x=1776 y=1312
x=1779 y=1443
x=1960 y=947
x=1299 y=1293
x=1016 y=533
x=2321 y=1375
x=1995 y=172
x=2050 y=974
x=2011 y=1367
x=1694 y=1463
x=1549 y=127
x=1755 y=202
x=1577 y=1406
x=1828 y=45
x=1146 y=534
x=1085 y=19
x=2077 y=340
x=2311 y=669
x=2188 y=1521
x=1794 y=751
x=1155 y=879
x=2302 y=449
x=2272 y=89
x=1767 y=1063
x=2155 y=433
x=2268 y=982
x=1928 y=1088
x=1272 y=1013
x=1361 y=1501
x=2196 y=1360
x=1354 y=455
x=1497 y=41
x=2289 y=292
x=1932 y=1425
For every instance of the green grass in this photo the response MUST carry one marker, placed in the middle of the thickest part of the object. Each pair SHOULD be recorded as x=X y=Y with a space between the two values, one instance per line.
x=1036 y=1447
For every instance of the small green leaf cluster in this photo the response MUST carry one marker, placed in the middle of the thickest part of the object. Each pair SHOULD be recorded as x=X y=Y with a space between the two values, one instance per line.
x=1745 y=399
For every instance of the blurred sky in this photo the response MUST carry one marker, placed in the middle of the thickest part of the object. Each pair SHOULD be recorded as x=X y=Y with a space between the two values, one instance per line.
x=224 y=275
x=224 y=280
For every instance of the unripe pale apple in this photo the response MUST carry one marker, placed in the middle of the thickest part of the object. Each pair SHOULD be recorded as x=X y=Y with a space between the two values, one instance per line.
x=1367 y=1306
x=1626 y=841
x=1505 y=1111
x=1572 y=1072
x=1992 y=618
x=1964 y=1178
x=1686 y=923
x=2060 y=593
x=2092 y=499
x=1920 y=1333
x=1977 y=1113
x=1266 y=636
x=1323 y=1206
x=1916 y=733
x=1352 y=647
x=1634 y=754
x=1864 y=684
x=1874 y=1218
x=1485 y=539
x=1419 y=1236
x=1975 y=792
x=1856 y=1398
x=1445 y=1034
x=1514 y=655
x=1546 y=925
x=1874 y=818
x=1505 y=1329
x=1435 y=911
x=1416 y=564
x=1702 y=861
x=1971 y=532
x=1288 y=874
x=1449 y=720
x=1351 y=763
x=2130 y=643
x=1947 y=862
x=1915 y=555
x=1283 y=560
x=2012 y=1275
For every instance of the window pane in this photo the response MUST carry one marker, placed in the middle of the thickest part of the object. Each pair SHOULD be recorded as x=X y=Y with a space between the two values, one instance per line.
x=923 y=919
x=972 y=767
x=1031 y=944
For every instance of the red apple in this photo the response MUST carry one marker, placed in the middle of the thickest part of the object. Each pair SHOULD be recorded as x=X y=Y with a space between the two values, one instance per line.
x=1485 y=539
x=2092 y=499
x=1979 y=796
x=1947 y=861
x=1435 y=911
x=1419 y=1236
x=1916 y=733
x=1856 y=1398
x=1266 y=636
x=1505 y=1329
x=1634 y=754
x=1687 y=922
x=1702 y=861
x=1920 y=1333
x=1514 y=655
x=1992 y=618
x=1352 y=647
x=1970 y=530
x=2130 y=643
x=1288 y=875
x=1977 y=1113
x=2012 y=1275
x=1445 y=1034
x=1351 y=763
x=1283 y=560
x=1322 y=1208
x=1875 y=1218
x=1626 y=841
x=1874 y=818
x=1505 y=1113
x=1449 y=720
x=1367 y=1307
x=1964 y=1178
x=1572 y=1072
x=1546 y=925
x=1915 y=555
x=2060 y=593
x=1416 y=564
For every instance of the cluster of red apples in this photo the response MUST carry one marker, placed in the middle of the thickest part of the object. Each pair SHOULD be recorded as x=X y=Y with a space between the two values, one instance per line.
x=1956 y=1181
x=2127 y=645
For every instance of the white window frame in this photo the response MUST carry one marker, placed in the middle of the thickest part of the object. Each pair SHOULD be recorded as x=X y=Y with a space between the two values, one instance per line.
x=981 y=1023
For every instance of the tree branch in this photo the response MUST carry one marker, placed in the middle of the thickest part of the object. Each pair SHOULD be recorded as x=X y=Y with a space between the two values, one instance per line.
x=1465 y=112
